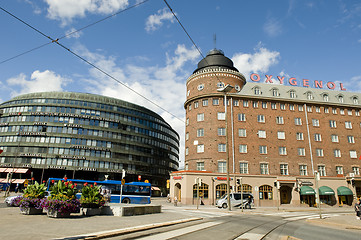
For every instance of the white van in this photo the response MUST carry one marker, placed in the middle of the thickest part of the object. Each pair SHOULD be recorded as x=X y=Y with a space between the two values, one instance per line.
x=236 y=200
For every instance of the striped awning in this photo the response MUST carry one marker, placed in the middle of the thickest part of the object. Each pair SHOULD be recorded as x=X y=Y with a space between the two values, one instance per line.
x=14 y=170
x=20 y=181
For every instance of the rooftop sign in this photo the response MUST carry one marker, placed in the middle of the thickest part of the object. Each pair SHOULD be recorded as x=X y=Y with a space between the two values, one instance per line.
x=299 y=83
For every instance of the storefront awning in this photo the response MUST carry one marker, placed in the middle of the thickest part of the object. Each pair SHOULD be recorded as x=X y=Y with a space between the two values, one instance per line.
x=20 y=181
x=306 y=190
x=324 y=190
x=14 y=170
x=344 y=191
x=155 y=188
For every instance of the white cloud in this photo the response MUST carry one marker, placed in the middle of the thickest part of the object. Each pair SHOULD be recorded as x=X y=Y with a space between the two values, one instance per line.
x=354 y=84
x=66 y=10
x=272 y=27
x=73 y=33
x=39 y=82
x=164 y=86
x=155 y=21
x=258 y=62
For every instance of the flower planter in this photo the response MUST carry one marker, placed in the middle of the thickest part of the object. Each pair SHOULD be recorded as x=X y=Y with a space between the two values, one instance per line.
x=90 y=211
x=56 y=214
x=31 y=211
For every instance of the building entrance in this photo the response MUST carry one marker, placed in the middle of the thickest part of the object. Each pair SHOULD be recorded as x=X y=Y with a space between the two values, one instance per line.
x=285 y=194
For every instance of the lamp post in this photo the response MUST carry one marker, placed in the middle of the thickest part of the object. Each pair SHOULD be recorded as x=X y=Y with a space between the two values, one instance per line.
x=225 y=90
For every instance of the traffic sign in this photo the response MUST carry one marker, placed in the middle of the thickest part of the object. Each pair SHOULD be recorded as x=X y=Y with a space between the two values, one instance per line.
x=146 y=181
x=26 y=182
x=123 y=181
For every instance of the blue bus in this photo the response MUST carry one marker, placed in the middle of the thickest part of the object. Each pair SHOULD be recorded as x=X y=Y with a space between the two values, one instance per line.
x=133 y=192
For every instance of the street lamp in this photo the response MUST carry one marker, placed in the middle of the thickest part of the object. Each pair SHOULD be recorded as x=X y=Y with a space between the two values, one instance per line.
x=225 y=90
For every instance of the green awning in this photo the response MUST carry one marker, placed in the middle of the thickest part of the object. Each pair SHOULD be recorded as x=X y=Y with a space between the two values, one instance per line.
x=324 y=190
x=344 y=191
x=306 y=190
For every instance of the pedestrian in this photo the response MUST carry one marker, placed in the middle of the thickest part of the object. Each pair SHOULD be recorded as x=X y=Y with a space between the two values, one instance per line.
x=17 y=188
x=175 y=201
x=358 y=209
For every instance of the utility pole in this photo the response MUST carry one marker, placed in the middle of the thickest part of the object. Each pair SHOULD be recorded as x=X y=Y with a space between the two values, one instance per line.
x=317 y=178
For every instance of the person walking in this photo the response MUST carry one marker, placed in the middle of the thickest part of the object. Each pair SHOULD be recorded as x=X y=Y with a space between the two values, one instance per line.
x=358 y=209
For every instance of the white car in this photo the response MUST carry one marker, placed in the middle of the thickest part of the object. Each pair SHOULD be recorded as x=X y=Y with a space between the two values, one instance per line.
x=236 y=200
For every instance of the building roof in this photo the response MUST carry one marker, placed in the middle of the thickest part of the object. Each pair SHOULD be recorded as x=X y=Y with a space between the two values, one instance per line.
x=215 y=59
x=300 y=94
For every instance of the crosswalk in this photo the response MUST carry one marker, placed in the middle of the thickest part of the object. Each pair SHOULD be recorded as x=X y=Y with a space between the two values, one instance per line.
x=293 y=216
x=198 y=213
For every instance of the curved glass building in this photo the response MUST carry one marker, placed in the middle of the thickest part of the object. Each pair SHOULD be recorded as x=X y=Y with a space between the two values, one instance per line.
x=86 y=136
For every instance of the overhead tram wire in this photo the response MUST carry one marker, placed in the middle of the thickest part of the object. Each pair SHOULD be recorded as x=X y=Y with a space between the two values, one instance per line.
x=71 y=33
x=93 y=65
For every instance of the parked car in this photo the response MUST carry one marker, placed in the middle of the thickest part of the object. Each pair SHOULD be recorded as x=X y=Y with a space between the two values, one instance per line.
x=236 y=200
x=10 y=201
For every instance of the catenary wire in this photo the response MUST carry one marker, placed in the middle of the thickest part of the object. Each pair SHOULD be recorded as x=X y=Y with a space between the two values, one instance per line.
x=71 y=33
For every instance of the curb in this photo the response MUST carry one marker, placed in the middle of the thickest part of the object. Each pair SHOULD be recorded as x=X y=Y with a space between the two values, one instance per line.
x=333 y=224
x=117 y=232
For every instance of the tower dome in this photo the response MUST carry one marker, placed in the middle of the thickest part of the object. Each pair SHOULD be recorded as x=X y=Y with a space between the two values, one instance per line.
x=215 y=59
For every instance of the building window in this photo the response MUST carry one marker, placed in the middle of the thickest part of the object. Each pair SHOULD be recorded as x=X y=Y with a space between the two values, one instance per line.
x=187 y=136
x=186 y=167
x=340 y=99
x=292 y=107
x=242 y=132
x=257 y=91
x=309 y=109
x=221 y=116
x=261 y=133
x=342 y=111
x=245 y=103
x=334 y=110
x=333 y=124
x=215 y=101
x=243 y=167
x=263 y=149
x=202 y=190
x=236 y=103
x=284 y=169
x=292 y=94
x=205 y=102
x=298 y=121
x=309 y=96
x=264 y=105
x=255 y=104
x=273 y=105
x=187 y=121
x=200 y=148
x=303 y=170
x=300 y=108
x=187 y=151
x=279 y=120
x=301 y=152
x=315 y=122
x=189 y=107
x=275 y=92
x=221 y=147
x=265 y=192
x=356 y=170
x=318 y=137
x=242 y=117
x=299 y=136
x=349 y=112
x=325 y=97
x=200 y=117
x=348 y=125
x=261 y=118
x=264 y=168
x=351 y=139
x=337 y=152
x=326 y=110
x=353 y=154
x=196 y=104
x=243 y=148
x=221 y=131
x=222 y=166
x=334 y=138
x=339 y=170
x=200 y=166
x=355 y=100
x=245 y=188
x=319 y=152
x=200 y=132
x=281 y=135
x=282 y=151
x=317 y=109
x=282 y=106
x=322 y=170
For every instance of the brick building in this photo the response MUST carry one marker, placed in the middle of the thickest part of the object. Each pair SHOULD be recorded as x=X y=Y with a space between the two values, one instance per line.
x=278 y=136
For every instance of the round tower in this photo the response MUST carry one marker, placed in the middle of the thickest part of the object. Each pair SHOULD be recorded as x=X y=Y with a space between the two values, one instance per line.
x=205 y=111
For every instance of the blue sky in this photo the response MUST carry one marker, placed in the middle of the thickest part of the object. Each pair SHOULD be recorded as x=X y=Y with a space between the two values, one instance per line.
x=146 y=49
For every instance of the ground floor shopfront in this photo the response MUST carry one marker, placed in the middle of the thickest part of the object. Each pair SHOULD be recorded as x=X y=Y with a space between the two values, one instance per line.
x=268 y=190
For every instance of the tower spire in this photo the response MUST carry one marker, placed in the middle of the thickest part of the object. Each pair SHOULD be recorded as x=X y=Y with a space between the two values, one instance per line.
x=215 y=41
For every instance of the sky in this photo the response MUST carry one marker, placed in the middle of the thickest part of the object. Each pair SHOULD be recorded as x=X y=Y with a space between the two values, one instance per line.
x=144 y=51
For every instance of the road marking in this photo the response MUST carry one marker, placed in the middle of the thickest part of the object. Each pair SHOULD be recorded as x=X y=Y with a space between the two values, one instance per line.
x=250 y=236
x=179 y=232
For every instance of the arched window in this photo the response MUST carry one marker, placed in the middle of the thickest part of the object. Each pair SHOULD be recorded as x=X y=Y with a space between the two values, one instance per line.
x=246 y=188
x=257 y=91
x=325 y=97
x=340 y=99
x=309 y=96
x=221 y=189
x=266 y=192
x=203 y=191
x=292 y=94
x=355 y=100
x=275 y=92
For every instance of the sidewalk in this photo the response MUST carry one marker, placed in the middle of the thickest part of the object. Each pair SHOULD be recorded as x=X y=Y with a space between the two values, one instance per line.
x=13 y=225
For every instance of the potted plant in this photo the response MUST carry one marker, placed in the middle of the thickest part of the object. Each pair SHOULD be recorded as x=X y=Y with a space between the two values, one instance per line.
x=62 y=201
x=32 y=200
x=91 y=199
